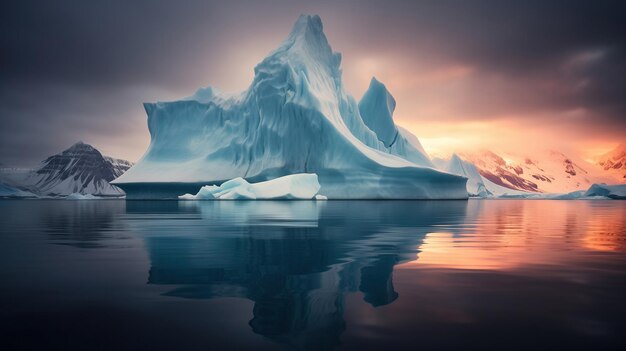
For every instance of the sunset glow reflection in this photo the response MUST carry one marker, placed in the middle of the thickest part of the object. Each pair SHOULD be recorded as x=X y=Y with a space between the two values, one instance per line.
x=508 y=235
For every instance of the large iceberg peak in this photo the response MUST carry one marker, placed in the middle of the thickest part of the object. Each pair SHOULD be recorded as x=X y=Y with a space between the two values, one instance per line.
x=306 y=49
x=308 y=34
x=376 y=108
x=308 y=27
x=294 y=118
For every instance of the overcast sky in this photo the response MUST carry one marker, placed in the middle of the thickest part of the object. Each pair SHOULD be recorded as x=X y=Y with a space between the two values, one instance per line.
x=465 y=74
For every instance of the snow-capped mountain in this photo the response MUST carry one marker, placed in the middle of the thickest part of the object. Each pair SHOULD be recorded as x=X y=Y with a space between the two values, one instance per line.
x=79 y=169
x=547 y=172
x=614 y=163
x=294 y=118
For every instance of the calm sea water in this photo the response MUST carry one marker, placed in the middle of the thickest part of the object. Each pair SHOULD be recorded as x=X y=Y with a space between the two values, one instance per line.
x=391 y=275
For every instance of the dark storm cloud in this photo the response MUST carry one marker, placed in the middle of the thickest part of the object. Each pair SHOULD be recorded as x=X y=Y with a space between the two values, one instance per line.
x=99 y=42
x=76 y=69
x=531 y=41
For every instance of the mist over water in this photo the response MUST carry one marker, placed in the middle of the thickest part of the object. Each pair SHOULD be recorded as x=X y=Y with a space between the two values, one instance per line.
x=507 y=274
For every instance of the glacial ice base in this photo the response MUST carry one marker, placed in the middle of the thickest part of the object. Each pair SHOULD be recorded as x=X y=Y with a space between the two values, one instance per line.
x=409 y=183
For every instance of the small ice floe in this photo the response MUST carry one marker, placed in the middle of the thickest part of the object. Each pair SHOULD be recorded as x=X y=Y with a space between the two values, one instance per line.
x=300 y=186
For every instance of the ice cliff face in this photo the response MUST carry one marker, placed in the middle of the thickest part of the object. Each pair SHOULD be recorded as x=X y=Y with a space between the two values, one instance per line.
x=294 y=118
x=376 y=108
x=475 y=182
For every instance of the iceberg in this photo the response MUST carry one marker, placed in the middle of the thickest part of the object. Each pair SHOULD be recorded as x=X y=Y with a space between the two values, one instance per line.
x=79 y=196
x=294 y=118
x=617 y=192
x=294 y=186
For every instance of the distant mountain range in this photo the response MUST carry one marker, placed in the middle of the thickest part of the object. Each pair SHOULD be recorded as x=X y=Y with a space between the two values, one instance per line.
x=80 y=169
x=547 y=172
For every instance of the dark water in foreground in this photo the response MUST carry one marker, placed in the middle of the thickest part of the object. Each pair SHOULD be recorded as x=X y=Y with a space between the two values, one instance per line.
x=353 y=275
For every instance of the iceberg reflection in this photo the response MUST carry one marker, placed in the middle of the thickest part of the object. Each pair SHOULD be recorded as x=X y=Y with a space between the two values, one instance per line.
x=295 y=260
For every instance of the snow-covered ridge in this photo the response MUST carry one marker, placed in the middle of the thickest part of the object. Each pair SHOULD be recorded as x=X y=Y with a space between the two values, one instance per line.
x=294 y=118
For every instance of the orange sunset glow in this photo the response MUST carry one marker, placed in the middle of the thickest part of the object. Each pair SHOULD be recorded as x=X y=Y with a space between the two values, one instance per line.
x=511 y=236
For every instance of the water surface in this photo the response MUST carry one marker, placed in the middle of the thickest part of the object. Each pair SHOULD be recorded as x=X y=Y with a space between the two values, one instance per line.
x=351 y=275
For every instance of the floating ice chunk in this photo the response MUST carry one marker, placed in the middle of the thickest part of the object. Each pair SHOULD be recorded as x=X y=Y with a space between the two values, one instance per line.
x=610 y=191
x=294 y=186
x=78 y=196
